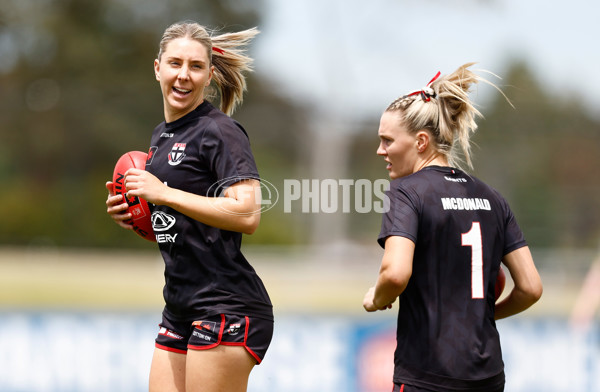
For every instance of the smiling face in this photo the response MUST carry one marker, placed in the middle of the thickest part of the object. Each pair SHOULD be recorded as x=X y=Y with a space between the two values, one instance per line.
x=397 y=146
x=184 y=71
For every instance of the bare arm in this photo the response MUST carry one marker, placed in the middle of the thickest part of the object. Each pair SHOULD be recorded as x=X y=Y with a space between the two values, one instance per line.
x=528 y=284
x=238 y=211
x=394 y=273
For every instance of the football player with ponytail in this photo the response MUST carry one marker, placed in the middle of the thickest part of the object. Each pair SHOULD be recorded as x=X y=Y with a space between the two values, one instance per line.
x=444 y=237
x=203 y=184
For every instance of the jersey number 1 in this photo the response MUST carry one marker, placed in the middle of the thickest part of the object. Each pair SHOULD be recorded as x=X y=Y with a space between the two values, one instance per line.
x=472 y=238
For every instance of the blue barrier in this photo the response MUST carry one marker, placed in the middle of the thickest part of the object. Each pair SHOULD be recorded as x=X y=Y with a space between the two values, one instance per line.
x=65 y=351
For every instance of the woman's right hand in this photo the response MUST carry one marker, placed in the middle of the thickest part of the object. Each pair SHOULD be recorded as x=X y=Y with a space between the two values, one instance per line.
x=116 y=207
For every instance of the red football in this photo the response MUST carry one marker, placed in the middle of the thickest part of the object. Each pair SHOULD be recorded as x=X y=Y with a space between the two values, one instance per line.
x=138 y=207
x=500 y=282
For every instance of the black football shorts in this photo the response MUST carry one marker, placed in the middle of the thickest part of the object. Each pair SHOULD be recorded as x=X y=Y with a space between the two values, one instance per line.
x=254 y=334
x=412 y=388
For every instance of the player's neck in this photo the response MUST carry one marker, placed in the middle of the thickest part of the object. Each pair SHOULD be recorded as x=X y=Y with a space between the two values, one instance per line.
x=434 y=159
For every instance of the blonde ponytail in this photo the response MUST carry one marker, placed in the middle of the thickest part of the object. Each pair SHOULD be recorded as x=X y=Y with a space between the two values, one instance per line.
x=230 y=62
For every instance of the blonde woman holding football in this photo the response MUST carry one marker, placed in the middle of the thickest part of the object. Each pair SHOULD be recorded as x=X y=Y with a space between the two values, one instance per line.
x=202 y=182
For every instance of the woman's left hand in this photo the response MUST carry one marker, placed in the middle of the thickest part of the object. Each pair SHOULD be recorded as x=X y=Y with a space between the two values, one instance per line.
x=143 y=184
x=368 y=300
x=369 y=304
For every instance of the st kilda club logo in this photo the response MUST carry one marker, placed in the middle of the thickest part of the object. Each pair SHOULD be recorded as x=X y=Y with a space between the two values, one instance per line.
x=177 y=154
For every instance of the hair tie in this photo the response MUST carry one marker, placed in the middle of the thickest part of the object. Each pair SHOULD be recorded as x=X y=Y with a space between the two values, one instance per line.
x=437 y=75
x=218 y=50
x=426 y=92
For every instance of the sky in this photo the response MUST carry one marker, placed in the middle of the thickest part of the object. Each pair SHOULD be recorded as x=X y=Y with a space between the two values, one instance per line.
x=351 y=58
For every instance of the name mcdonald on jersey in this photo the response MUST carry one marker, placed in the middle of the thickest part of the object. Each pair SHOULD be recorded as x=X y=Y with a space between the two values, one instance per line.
x=458 y=203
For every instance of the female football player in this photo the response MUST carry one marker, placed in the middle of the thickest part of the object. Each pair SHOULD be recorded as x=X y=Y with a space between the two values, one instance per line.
x=202 y=181
x=444 y=236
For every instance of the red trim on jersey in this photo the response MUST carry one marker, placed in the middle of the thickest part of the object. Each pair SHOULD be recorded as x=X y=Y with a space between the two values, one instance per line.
x=171 y=349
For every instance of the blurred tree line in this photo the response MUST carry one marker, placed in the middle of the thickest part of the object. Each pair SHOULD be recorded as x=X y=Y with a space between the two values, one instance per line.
x=77 y=91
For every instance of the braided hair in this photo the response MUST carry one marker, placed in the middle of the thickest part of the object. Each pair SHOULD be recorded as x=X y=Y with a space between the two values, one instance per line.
x=444 y=109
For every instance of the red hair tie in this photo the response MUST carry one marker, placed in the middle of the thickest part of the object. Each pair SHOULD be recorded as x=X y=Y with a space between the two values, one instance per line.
x=427 y=92
x=218 y=50
x=437 y=75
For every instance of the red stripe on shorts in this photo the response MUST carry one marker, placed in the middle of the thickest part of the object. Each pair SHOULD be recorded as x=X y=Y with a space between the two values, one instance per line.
x=218 y=338
x=171 y=349
x=245 y=342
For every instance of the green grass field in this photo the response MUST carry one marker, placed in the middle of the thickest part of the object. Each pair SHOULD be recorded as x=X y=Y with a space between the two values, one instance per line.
x=298 y=279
